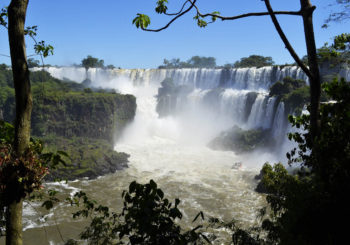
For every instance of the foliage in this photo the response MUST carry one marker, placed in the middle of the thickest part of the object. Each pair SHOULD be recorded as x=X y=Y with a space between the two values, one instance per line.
x=141 y=21
x=193 y=62
x=110 y=67
x=286 y=86
x=90 y=122
x=43 y=49
x=293 y=92
x=336 y=53
x=147 y=217
x=88 y=157
x=254 y=61
x=99 y=114
x=92 y=62
x=202 y=62
x=30 y=168
x=241 y=141
x=33 y=63
x=308 y=205
x=20 y=176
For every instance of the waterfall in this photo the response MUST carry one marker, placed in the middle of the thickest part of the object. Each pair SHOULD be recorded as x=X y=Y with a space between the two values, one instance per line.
x=279 y=122
x=237 y=78
x=226 y=96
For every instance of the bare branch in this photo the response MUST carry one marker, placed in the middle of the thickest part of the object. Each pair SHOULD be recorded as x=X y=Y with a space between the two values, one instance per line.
x=180 y=11
x=169 y=23
x=285 y=40
x=243 y=15
x=249 y=15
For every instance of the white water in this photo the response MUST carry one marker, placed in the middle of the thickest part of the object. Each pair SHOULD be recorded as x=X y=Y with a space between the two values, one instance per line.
x=172 y=150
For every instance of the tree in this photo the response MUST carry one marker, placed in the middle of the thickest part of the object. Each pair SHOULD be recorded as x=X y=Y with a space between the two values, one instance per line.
x=33 y=63
x=254 y=61
x=16 y=15
x=306 y=12
x=202 y=62
x=308 y=206
x=193 y=62
x=91 y=62
x=147 y=217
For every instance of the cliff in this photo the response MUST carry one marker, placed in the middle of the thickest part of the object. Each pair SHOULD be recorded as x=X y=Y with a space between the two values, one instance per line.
x=67 y=116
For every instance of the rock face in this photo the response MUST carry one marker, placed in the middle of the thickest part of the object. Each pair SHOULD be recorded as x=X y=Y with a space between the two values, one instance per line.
x=70 y=117
x=87 y=157
x=81 y=114
x=241 y=141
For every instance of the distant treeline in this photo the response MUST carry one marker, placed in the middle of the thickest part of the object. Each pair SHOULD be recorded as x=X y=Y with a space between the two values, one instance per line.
x=329 y=57
x=210 y=62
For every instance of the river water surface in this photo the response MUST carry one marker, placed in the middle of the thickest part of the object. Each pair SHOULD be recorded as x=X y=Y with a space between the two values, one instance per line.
x=172 y=151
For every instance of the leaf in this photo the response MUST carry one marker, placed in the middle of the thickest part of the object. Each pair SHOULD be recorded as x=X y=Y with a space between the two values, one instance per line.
x=132 y=187
x=177 y=202
x=160 y=193
x=202 y=23
x=153 y=184
x=141 y=21
x=214 y=18
x=63 y=153
x=48 y=204
x=161 y=6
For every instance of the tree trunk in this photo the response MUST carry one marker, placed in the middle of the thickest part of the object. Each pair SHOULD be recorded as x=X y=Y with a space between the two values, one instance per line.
x=315 y=81
x=16 y=17
x=14 y=223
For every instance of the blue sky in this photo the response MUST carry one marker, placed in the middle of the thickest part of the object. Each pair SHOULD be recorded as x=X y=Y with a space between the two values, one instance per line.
x=103 y=29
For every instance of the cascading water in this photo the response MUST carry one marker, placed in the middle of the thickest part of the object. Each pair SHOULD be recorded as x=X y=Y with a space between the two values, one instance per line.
x=172 y=149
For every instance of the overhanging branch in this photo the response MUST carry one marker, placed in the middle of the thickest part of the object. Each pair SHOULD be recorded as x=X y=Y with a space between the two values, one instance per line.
x=243 y=15
x=285 y=40
x=175 y=18
x=180 y=11
x=193 y=5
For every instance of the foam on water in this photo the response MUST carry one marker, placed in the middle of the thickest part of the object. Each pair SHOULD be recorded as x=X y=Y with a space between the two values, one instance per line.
x=172 y=150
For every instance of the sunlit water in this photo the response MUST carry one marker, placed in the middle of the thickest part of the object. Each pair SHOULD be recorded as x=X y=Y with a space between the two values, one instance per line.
x=172 y=151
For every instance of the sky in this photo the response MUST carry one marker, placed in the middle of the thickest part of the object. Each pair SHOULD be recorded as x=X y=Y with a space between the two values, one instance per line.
x=103 y=29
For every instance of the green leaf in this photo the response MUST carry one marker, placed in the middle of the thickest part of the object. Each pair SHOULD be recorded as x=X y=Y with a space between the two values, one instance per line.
x=63 y=153
x=141 y=21
x=48 y=204
x=161 y=6
x=214 y=18
x=201 y=23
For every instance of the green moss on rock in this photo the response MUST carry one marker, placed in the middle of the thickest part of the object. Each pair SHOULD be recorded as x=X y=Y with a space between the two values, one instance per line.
x=87 y=157
x=241 y=141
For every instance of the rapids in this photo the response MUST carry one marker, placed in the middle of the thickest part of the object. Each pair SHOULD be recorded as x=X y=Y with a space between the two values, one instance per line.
x=172 y=150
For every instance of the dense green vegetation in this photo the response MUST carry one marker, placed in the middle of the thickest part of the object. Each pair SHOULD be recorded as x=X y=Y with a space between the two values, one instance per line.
x=147 y=217
x=88 y=157
x=307 y=206
x=293 y=92
x=80 y=120
x=68 y=109
x=254 y=61
x=241 y=141
x=210 y=62
x=90 y=62
x=193 y=62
